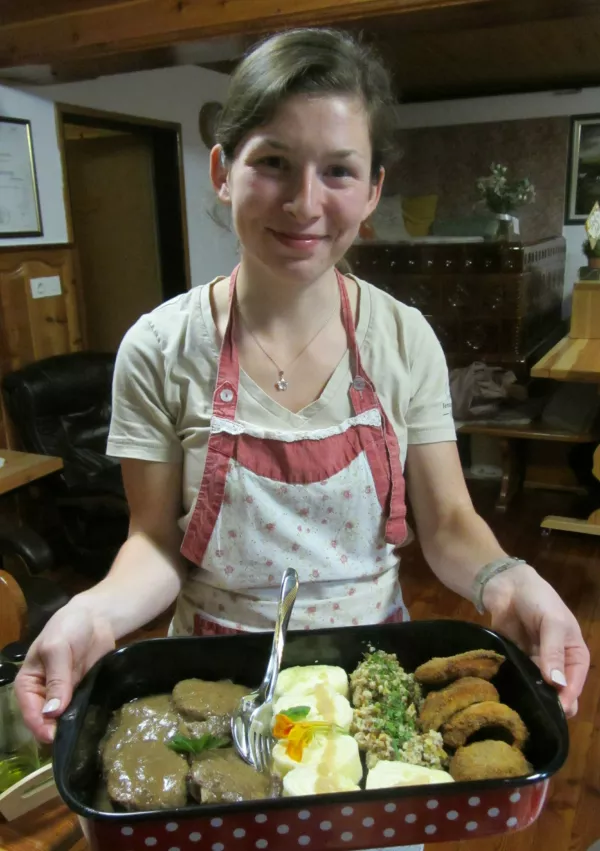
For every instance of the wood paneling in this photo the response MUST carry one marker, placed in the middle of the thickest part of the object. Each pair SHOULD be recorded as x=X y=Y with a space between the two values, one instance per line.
x=437 y=48
x=36 y=35
x=26 y=10
x=141 y=24
x=473 y=60
x=457 y=53
x=35 y=328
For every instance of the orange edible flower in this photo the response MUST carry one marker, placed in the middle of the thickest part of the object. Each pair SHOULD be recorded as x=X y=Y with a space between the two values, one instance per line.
x=299 y=734
x=283 y=726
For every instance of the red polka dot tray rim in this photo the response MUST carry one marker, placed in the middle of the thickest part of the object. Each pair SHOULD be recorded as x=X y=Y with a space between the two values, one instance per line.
x=351 y=826
x=374 y=819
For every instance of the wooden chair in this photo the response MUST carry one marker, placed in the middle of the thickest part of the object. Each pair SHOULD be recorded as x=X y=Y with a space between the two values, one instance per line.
x=13 y=610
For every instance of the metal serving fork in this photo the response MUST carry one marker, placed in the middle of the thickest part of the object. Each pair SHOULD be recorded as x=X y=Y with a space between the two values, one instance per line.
x=251 y=721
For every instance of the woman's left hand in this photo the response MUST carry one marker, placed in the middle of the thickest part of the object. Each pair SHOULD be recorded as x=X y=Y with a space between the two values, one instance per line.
x=527 y=609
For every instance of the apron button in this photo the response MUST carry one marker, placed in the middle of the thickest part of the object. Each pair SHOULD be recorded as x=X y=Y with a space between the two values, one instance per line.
x=226 y=394
x=359 y=383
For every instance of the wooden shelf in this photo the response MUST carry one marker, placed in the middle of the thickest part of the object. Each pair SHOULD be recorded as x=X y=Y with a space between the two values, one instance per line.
x=571 y=360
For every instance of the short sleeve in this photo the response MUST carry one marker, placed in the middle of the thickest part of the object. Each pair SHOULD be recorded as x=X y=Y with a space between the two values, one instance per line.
x=141 y=425
x=429 y=416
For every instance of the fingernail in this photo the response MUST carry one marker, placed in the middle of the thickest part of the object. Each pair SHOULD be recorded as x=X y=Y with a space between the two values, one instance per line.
x=558 y=677
x=54 y=704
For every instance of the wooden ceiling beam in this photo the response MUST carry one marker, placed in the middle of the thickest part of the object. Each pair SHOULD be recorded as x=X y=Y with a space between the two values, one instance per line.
x=37 y=32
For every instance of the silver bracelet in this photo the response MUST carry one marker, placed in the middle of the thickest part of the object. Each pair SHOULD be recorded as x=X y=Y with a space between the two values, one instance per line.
x=488 y=572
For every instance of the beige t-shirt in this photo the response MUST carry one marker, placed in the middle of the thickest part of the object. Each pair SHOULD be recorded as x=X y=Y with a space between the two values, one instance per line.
x=166 y=371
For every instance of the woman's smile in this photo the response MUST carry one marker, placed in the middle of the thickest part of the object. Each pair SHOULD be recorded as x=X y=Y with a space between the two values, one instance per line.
x=305 y=242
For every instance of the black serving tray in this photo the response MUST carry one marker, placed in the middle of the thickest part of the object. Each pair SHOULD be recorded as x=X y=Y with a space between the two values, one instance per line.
x=156 y=665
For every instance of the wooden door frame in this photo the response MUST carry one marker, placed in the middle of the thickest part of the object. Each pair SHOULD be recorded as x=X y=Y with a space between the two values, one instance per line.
x=64 y=109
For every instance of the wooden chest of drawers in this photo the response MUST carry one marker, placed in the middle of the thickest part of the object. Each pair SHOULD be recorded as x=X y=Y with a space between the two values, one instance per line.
x=495 y=302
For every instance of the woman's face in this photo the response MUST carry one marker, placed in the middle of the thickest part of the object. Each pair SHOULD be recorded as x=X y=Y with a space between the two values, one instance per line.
x=300 y=186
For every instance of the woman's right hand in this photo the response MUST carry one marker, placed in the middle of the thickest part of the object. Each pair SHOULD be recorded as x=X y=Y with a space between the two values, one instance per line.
x=70 y=643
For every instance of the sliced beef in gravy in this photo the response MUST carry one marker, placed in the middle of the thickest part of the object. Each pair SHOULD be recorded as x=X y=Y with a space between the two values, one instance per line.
x=147 y=776
x=220 y=775
x=215 y=725
x=198 y=700
x=146 y=719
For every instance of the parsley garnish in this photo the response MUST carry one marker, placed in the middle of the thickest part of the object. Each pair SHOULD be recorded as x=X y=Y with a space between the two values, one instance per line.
x=296 y=713
x=184 y=744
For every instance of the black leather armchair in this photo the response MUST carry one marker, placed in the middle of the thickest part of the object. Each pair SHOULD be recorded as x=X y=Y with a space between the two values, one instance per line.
x=62 y=406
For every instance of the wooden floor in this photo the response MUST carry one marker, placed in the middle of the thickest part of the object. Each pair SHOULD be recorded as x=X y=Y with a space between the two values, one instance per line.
x=571 y=563
x=571 y=820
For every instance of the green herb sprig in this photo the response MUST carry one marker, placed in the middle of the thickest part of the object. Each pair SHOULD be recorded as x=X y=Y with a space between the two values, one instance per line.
x=185 y=744
x=296 y=713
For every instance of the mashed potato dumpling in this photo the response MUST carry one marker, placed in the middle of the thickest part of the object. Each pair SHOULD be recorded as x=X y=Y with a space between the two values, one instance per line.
x=336 y=753
x=325 y=705
x=305 y=678
x=386 y=774
x=308 y=780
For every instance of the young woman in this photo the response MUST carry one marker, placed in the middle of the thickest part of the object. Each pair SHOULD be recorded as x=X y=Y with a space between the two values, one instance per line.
x=268 y=418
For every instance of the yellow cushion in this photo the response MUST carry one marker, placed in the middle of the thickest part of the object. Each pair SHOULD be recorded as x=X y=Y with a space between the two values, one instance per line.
x=419 y=213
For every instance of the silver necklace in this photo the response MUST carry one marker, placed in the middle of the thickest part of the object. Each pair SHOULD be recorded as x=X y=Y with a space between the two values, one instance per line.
x=282 y=383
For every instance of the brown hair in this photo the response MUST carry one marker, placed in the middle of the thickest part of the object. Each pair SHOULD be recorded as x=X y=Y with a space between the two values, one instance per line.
x=314 y=62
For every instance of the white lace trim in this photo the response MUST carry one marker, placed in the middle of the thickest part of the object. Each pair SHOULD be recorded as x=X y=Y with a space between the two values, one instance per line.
x=367 y=418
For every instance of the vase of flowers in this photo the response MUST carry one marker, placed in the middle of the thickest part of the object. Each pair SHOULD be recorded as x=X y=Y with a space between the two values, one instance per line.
x=503 y=197
x=592 y=254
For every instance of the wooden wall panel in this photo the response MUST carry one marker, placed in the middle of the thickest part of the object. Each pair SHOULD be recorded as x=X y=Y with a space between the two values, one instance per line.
x=35 y=328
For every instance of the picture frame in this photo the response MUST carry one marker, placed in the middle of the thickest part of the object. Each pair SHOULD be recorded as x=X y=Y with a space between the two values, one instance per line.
x=20 y=214
x=583 y=173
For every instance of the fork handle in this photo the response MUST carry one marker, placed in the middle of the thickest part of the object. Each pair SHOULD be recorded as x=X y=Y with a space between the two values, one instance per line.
x=287 y=598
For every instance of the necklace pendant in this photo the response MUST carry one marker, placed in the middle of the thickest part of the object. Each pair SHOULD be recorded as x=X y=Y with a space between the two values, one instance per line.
x=282 y=383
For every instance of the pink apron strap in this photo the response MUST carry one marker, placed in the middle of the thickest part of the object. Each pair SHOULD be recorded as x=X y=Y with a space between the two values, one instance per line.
x=221 y=446
x=228 y=377
x=364 y=398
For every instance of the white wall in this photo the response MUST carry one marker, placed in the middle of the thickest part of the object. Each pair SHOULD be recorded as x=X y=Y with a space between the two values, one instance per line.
x=169 y=94
x=508 y=108
x=17 y=104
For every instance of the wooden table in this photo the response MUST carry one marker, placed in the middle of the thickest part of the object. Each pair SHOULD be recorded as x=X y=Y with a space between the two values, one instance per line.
x=50 y=827
x=21 y=468
x=573 y=359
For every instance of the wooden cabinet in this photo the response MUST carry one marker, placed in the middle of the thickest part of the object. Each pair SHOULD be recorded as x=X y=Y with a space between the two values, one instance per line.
x=487 y=301
x=31 y=327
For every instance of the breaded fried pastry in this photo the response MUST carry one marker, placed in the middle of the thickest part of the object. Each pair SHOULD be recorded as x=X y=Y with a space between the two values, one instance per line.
x=474 y=663
x=439 y=706
x=487 y=761
x=480 y=716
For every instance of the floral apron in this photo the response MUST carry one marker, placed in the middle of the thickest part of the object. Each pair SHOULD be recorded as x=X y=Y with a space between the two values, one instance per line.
x=329 y=503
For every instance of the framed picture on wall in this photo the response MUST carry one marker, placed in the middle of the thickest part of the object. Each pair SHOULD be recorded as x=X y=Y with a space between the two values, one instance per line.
x=19 y=201
x=583 y=175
